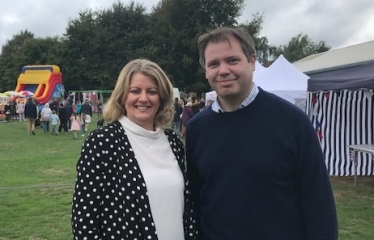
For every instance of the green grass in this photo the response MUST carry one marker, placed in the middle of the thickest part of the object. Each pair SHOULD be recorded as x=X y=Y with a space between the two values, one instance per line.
x=37 y=180
x=38 y=172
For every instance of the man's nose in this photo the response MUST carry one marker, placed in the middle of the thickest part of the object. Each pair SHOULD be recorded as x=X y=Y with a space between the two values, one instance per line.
x=224 y=69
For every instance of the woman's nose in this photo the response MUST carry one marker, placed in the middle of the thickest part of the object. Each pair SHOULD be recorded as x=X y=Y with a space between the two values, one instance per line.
x=143 y=96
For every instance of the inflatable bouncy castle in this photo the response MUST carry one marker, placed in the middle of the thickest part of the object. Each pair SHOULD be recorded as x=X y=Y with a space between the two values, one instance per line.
x=44 y=81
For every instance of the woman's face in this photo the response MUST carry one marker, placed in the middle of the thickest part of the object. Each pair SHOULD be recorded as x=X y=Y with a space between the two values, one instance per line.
x=143 y=101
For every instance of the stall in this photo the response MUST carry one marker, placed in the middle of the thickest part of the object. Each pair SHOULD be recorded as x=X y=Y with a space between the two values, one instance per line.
x=340 y=106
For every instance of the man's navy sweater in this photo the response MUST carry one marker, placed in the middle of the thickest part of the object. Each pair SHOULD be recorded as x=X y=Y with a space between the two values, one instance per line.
x=259 y=173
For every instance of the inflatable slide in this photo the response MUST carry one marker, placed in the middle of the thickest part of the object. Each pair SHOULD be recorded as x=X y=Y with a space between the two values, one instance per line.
x=45 y=81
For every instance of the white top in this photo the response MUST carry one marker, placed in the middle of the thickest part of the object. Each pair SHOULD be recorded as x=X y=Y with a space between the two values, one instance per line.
x=163 y=178
x=46 y=113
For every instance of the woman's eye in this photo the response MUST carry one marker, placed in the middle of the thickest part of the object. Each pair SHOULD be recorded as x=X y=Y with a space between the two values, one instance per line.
x=153 y=92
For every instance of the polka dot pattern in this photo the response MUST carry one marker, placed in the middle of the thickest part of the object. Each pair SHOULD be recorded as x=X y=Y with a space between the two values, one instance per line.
x=110 y=198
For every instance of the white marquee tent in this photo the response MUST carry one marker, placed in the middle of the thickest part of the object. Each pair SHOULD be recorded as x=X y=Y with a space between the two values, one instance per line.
x=286 y=81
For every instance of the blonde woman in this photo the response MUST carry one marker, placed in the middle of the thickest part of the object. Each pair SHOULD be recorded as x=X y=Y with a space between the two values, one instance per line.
x=131 y=173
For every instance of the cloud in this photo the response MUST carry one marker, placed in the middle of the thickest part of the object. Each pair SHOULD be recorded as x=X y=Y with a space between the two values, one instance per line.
x=337 y=22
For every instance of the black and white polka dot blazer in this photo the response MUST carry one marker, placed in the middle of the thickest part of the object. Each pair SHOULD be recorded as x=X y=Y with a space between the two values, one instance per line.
x=110 y=198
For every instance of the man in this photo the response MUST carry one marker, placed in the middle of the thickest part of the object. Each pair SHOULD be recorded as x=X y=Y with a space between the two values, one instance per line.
x=63 y=117
x=31 y=114
x=87 y=110
x=254 y=162
x=69 y=112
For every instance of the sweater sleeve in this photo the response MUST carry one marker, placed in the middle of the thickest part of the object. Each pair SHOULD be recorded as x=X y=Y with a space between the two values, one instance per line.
x=314 y=186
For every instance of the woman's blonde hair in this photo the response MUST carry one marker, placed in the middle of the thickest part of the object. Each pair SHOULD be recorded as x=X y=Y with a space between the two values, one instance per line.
x=115 y=108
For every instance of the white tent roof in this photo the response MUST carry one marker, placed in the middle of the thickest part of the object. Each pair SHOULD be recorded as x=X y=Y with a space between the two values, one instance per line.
x=282 y=76
x=362 y=52
x=259 y=70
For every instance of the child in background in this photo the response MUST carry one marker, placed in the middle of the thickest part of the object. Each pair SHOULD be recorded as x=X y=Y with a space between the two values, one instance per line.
x=55 y=120
x=83 y=124
x=75 y=124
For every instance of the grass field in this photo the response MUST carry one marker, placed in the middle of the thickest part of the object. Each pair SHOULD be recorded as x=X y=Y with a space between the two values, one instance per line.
x=38 y=172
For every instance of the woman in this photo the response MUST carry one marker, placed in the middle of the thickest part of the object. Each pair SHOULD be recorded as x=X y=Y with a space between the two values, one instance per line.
x=187 y=114
x=46 y=115
x=21 y=110
x=131 y=175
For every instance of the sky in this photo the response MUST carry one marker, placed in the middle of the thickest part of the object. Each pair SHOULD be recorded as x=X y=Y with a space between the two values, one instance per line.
x=339 y=23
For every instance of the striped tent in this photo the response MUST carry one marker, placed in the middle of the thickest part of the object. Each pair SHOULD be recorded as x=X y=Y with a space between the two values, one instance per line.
x=340 y=104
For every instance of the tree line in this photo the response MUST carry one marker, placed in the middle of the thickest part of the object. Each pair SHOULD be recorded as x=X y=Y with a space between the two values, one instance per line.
x=97 y=44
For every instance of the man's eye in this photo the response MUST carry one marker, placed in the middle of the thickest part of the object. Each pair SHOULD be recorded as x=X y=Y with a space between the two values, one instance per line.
x=233 y=61
x=212 y=65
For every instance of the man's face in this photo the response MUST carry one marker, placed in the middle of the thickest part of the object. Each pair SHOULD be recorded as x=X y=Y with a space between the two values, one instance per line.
x=228 y=71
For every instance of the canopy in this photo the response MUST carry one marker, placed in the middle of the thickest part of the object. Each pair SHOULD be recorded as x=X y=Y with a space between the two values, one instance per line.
x=350 y=78
x=340 y=106
x=282 y=75
x=285 y=80
x=337 y=58
x=259 y=70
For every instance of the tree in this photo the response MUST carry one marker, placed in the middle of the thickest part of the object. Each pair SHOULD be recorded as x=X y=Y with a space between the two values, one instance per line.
x=301 y=46
x=98 y=44
x=264 y=51
x=11 y=60
x=177 y=25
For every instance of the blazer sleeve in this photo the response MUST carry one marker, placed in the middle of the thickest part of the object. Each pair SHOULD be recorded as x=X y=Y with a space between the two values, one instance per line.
x=88 y=190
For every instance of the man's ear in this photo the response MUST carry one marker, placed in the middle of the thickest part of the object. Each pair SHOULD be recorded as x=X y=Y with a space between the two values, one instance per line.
x=253 y=58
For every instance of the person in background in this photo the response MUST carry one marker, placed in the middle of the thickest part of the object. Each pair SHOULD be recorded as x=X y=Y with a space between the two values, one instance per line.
x=13 y=109
x=75 y=124
x=187 y=114
x=87 y=110
x=178 y=109
x=46 y=115
x=201 y=104
x=21 y=111
x=83 y=124
x=63 y=116
x=55 y=121
x=181 y=103
x=31 y=114
x=53 y=104
x=38 y=122
x=7 y=110
x=69 y=112
x=99 y=108
x=131 y=173
x=195 y=105
x=255 y=164
x=78 y=107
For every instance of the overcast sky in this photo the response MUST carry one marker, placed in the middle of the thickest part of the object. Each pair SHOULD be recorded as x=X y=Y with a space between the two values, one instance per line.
x=339 y=23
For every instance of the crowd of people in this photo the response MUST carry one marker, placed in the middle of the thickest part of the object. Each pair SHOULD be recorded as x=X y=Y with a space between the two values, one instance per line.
x=14 y=111
x=184 y=110
x=56 y=117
